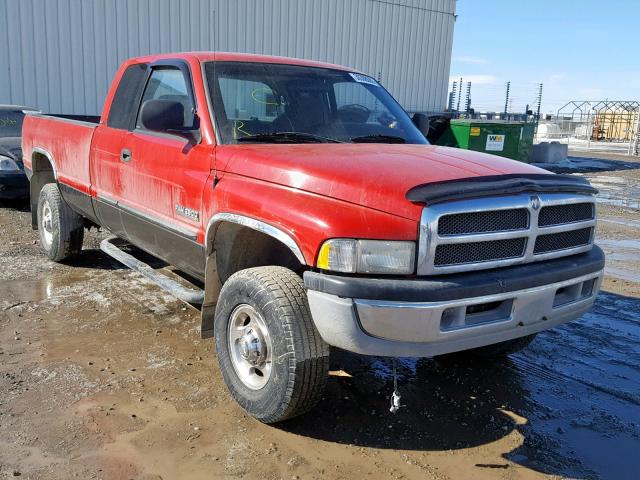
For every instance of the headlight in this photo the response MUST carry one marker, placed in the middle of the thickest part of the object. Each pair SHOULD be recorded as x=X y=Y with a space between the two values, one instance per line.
x=8 y=164
x=367 y=256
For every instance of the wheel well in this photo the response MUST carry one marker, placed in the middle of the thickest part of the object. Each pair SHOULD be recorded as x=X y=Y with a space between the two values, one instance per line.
x=43 y=173
x=238 y=247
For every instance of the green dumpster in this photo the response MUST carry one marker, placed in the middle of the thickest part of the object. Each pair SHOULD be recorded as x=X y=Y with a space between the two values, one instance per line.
x=507 y=139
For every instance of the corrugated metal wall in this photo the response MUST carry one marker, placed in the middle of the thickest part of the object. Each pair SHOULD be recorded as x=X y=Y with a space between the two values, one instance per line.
x=60 y=55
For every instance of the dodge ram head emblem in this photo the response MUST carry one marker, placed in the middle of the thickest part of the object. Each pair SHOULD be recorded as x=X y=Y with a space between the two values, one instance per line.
x=535 y=202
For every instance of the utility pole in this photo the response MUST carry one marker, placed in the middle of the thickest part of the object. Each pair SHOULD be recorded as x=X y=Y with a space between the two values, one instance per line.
x=634 y=144
x=452 y=96
x=467 y=101
x=506 y=98
x=538 y=103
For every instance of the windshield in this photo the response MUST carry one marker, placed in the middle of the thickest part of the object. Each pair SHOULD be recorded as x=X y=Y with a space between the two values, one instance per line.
x=277 y=103
x=11 y=123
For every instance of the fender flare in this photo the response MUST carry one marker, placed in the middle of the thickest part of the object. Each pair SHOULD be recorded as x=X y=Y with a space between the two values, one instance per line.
x=49 y=157
x=35 y=184
x=253 y=224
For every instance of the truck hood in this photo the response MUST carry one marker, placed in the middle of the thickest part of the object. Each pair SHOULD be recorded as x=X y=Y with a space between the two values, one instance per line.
x=376 y=176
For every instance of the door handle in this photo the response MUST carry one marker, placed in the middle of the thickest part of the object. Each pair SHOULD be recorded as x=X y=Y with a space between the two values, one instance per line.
x=125 y=155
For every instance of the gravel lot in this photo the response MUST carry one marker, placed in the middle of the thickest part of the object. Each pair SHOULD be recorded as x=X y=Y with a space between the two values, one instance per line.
x=103 y=375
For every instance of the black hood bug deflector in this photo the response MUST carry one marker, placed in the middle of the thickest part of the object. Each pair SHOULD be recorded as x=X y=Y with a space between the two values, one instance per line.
x=508 y=184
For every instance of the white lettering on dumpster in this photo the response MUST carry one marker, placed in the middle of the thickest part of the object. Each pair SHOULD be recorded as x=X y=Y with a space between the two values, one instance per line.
x=495 y=143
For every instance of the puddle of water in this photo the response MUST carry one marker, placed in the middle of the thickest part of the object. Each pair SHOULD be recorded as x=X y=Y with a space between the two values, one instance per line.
x=623 y=273
x=608 y=179
x=619 y=202
x=612 y=457
x=618 y=191
x=33 y=290
x=626 y=222
x=26 y=290
x=623 y=243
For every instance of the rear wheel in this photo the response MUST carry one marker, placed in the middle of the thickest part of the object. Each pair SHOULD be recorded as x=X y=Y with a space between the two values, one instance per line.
x=61 y=229
x=271 y=356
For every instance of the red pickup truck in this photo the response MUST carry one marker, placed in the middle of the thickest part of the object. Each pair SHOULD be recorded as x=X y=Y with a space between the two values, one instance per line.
x=315 y=214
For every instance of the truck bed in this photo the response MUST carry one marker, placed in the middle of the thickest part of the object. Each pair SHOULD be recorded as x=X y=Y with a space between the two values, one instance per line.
x=66 y=141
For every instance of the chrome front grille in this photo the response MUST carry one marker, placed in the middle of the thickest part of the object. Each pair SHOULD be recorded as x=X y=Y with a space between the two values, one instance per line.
x=499 y=231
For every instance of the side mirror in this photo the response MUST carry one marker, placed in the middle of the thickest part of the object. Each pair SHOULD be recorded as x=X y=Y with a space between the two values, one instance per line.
x=168 y=116
x=162 y=115
x=421 y=121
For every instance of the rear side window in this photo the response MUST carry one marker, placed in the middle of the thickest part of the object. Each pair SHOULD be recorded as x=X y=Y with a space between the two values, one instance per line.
x=124 y=104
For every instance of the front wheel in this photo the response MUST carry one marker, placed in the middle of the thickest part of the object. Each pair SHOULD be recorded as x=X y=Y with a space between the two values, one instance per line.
x=271 y=356
x=61 y=229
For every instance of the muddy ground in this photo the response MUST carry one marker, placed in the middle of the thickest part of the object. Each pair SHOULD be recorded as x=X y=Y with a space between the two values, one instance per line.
x=102 y=375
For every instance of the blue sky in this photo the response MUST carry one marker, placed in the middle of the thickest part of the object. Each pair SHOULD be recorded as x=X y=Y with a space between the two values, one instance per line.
x=583 y=49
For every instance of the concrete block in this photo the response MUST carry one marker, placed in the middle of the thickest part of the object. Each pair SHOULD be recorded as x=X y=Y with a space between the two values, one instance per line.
x=549 y=152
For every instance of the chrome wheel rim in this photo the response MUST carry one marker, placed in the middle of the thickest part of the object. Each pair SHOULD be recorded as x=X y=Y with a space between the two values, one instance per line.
x=250 y=347
x=47 y=223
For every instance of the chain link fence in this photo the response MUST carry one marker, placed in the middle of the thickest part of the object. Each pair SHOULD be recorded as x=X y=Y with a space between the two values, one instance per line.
x=602 y=126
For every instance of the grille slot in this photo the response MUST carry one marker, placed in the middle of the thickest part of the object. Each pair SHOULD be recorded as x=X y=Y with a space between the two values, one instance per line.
x=483 y=222
x=561 y=214
x=552 y=242
x=475 y=252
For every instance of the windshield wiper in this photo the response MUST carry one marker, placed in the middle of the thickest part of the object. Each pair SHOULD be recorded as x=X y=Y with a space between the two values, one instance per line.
x=288 y=137
x=378 y=139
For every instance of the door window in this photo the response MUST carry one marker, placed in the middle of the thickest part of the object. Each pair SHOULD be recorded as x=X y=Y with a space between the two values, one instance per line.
x=169 y=84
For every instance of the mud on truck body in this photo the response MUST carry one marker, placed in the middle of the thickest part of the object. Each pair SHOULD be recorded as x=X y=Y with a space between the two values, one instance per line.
x=315 y=214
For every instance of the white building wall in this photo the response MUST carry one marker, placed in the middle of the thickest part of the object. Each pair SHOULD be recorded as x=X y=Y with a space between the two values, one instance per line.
x=60 y=55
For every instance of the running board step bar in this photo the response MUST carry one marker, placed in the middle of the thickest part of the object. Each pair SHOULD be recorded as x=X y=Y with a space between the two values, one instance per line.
x=186 y=294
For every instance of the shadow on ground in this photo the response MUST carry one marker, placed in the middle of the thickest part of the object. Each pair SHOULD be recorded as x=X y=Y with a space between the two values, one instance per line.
x=574 y=164
x=21 y=204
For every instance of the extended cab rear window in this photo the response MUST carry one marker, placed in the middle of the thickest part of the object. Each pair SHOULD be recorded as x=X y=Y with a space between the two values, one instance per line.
x=124 y=105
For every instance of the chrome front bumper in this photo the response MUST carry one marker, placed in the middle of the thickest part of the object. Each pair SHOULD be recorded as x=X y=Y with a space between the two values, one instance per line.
x=425 y=329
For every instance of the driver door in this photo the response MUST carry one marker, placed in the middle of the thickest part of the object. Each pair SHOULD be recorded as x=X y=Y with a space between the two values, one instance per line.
x=164 y=178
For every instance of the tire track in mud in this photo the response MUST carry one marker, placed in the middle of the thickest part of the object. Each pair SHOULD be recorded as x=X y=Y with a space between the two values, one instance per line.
x=597 y=351
x=522 y=366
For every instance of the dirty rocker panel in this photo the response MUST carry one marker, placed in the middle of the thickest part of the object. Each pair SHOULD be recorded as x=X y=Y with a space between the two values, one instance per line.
x=175 y=246
x=78 y=201
x=108 y=215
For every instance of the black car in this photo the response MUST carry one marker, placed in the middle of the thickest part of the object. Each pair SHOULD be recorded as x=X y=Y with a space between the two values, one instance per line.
x=13 y=181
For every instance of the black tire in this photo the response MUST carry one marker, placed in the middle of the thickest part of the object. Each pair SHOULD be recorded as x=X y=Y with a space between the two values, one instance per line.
x=300 y=365
x=495 y=351
x=62 y=236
